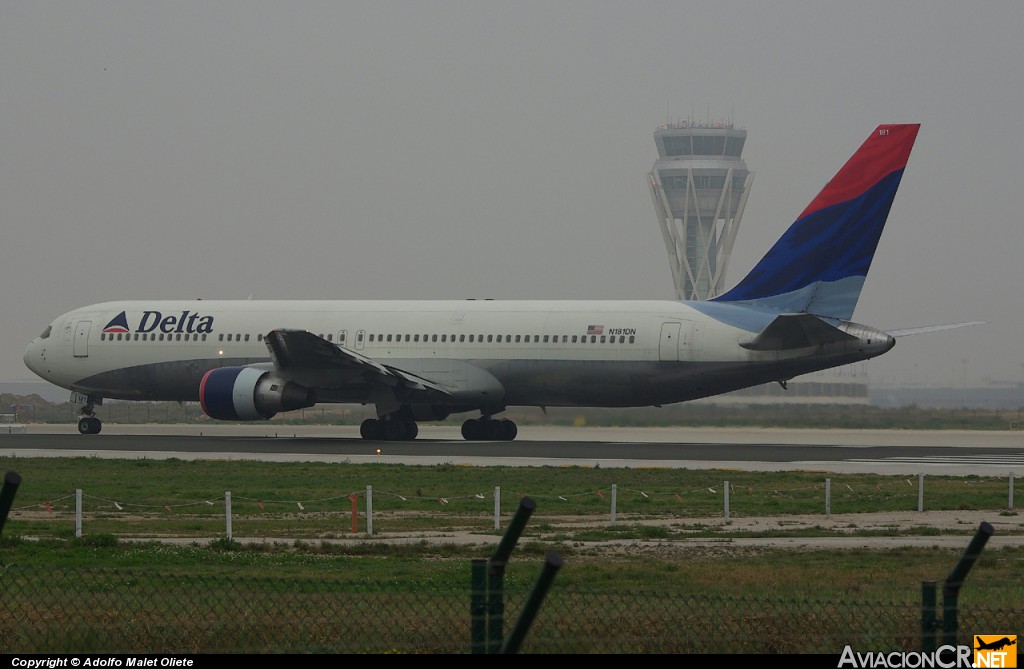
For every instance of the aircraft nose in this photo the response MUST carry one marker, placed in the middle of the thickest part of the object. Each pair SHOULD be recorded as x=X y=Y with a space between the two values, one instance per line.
x=34 y=357
x=28 y=356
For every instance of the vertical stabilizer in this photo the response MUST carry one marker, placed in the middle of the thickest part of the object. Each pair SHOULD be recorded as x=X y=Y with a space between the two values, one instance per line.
x=820 y=263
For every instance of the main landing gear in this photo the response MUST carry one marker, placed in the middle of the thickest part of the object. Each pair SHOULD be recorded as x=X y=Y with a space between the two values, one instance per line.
x=488 y=429
x=389 y=428
x=89 y=423
x=399 y=427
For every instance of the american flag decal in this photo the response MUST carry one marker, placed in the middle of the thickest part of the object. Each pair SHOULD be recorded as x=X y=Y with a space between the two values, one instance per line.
x=595 y=329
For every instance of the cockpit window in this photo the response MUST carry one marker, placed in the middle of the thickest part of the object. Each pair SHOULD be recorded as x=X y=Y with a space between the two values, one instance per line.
x=46 y=332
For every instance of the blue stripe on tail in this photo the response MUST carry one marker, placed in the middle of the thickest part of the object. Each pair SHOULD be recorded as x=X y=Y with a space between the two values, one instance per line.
x=819 y=264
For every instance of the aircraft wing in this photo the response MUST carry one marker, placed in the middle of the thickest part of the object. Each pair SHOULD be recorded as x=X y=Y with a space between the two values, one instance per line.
x=790 y=331
x=300 y=353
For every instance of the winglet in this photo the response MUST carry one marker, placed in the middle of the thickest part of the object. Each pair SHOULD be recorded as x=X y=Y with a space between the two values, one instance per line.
x=819 y=265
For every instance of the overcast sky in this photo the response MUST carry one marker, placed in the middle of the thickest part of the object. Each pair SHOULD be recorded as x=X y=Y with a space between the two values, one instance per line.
x=153 y=150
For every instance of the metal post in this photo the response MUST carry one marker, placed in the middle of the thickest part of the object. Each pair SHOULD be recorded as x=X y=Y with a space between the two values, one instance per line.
x=828 y=498
x=1011 y=492
x=615 y=497
x=951 y=588
x=478 y=607
x=497 y=507
x=227 y=513
x=920 y=492
x=515 y=529
x=354 y=500
x=10 y=487
x=369 y=509
x=552 y=564
x=726 y=501
x=496 y=575
x=929 y=621
x=78 y=513
x=495 y=608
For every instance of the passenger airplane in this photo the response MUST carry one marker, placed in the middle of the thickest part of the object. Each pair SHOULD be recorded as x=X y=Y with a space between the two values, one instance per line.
x=425 y=360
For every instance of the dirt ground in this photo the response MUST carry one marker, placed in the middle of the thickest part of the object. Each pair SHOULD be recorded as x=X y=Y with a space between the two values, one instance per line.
x=877 y=531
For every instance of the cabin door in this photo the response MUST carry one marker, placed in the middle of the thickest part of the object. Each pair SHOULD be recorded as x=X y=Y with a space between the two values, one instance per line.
x=82 y=338
x=668 y=348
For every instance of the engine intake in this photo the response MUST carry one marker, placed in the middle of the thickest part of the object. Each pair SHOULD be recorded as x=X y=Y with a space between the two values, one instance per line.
x=248 y=393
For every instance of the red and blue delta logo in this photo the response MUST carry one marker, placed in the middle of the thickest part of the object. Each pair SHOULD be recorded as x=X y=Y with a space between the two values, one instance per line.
x=118 y=323
x=151 y=321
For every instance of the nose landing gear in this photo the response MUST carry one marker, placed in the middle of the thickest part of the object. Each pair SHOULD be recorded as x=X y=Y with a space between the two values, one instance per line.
x=89 y=423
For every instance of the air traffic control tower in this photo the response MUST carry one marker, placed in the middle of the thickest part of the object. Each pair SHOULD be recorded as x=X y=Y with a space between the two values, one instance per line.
x=699 y=186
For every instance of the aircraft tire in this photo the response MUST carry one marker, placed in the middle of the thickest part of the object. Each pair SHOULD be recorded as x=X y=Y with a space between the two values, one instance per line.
x=508 y=430
x=371 y=429
x=472 y=430
x=89 y=425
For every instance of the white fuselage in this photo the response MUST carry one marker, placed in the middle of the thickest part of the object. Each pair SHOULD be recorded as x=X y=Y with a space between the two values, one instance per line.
x=542 y=353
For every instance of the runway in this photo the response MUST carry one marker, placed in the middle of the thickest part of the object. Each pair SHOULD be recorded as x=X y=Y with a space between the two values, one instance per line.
x=942 y=452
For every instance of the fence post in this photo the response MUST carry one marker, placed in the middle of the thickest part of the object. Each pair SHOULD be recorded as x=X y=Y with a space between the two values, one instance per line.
x=496 y=575
x=478 y=606
x=951 y=588
x=929 y=620
x=726 y=493
x=552 y=563
x=497 y=507
x=1011 y=492
x=615 y=495
x=920 y=492
x=10 y=487
x=828 y=498
x=227 y=513
x=78 y=513
x=369 y=509
x=354 y=499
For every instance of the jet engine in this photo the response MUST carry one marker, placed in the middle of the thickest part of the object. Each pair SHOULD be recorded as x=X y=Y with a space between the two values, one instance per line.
x=249 y=393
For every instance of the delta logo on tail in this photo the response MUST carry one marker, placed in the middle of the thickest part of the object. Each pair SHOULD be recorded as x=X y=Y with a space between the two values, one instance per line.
x=186 y=321
x=118 y=323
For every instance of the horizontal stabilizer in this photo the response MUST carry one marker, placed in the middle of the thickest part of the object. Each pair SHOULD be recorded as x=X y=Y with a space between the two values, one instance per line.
x=796 y=331
x=932 y=328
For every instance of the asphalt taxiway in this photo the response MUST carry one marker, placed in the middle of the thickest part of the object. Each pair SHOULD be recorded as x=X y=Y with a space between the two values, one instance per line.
x=942 y=452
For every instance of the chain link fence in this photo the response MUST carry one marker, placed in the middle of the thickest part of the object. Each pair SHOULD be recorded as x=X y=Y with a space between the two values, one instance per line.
x=134 y=611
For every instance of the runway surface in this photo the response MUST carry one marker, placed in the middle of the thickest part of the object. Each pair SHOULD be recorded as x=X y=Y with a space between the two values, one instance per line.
x=945 y=452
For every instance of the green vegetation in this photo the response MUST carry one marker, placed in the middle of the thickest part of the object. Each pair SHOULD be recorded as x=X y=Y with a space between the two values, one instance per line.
x=666 y=569
x=314 y=501
x=890 y=575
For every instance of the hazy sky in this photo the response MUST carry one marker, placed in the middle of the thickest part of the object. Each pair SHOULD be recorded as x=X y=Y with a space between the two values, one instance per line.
x=483 y=149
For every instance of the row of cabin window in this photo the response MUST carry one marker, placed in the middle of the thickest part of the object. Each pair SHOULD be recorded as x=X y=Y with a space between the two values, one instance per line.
x=525 y=339
x=508 y=339
x=172 y=336
x=154 y=336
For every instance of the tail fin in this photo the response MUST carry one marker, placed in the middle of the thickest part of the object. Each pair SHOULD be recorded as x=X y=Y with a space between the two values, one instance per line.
x=820 y=263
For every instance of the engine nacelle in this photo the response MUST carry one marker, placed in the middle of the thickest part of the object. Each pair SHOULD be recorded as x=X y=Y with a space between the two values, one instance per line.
x=248 y=393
